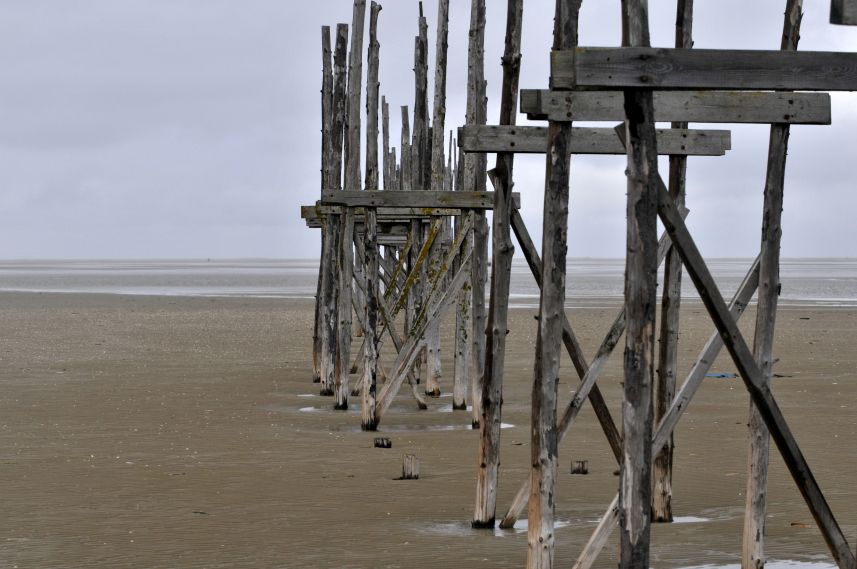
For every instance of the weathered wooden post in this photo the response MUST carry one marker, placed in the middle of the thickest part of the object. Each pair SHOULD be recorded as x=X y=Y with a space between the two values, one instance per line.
x=370 y=245
x=501 y=269
x=753 y=550
x=640 y=297
x=326 y=127
x=474 y=180
x=463 y=317
x=434 y=371
x=332 y=226
x=346 y=266
x=540 y=533
x=410 y=467
x=355 y=87
x=670 y=306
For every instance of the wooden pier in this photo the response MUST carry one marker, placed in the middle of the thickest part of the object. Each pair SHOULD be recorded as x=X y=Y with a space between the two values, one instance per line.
x=406 y=238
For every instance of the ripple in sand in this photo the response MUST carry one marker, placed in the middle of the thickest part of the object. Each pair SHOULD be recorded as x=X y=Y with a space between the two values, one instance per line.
x=773 y=564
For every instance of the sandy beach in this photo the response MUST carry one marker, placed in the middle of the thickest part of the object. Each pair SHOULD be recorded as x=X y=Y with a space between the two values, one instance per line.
x=164 y=432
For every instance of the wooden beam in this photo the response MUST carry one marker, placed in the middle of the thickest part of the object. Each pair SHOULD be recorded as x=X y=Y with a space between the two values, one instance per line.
x=604 y=68
x=682 y=106
x=409 y=199
x=533 y=140
x=843 y=12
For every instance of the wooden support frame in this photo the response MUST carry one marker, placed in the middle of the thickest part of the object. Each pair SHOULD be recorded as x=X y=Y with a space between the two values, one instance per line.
x=605 y=68
x=533 y=140
x=682 y=106
x=585 y=390
x=753 y=378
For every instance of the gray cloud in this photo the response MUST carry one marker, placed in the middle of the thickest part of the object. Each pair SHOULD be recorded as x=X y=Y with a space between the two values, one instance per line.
x=150 y=128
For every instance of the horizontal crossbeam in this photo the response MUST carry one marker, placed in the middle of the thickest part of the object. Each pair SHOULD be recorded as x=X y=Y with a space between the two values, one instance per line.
x=682 y=106
x=599 y=68
x=413 y=199
x=315 y=214
x=843 y=12
x=534 y=139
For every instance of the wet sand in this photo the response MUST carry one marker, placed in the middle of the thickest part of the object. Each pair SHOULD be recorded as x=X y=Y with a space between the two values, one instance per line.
x=185 y=432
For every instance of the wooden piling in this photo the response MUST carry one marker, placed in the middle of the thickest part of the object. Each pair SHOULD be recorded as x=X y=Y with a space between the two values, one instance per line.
x=670 y=306
x=753 y=549
x=475 y=166
x=332 y=226
x=326 y=129
x=501 y=269
x=410 y=467
x=640 y=297
x=355 y=87
x=540 y=534
x=371 y=261
x=346 y=264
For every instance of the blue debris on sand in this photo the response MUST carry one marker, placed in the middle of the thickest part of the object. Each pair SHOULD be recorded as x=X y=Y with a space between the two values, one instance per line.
x=722 y=375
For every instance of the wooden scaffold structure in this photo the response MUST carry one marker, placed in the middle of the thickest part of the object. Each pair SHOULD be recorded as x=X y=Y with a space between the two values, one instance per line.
x=430 y=219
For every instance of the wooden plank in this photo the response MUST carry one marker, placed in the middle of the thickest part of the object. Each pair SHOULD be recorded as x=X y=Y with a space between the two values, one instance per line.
x=533 y=140
x=420 y=145
x=599 y=68
x=682 y=106
x=662 y=466
x=355 y=88
x=502 y=251
x=426 y=199
x=635 y=481
x=756 y=500
x=843 y=12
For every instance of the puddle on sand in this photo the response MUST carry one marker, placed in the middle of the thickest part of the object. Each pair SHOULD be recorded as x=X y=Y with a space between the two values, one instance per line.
x=689 y=520
x=309 y=409
x=306 y=395
x=464 y=529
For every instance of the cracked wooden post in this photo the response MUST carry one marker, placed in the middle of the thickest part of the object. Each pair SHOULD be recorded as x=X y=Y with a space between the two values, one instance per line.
x=352 y=142
x=540 y=534
x=475 y=166
x=370 y=235
x=324 y=259
x=501 y=268
x=355 y=87
x=635 y=493
x=434 y=370
x=753 y=549
x=332 y=225
x=463 y=321
x=346 y=264
x=670 y=307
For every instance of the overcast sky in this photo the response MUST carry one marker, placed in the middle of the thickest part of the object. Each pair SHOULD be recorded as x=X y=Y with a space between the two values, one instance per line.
x=190 y=128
